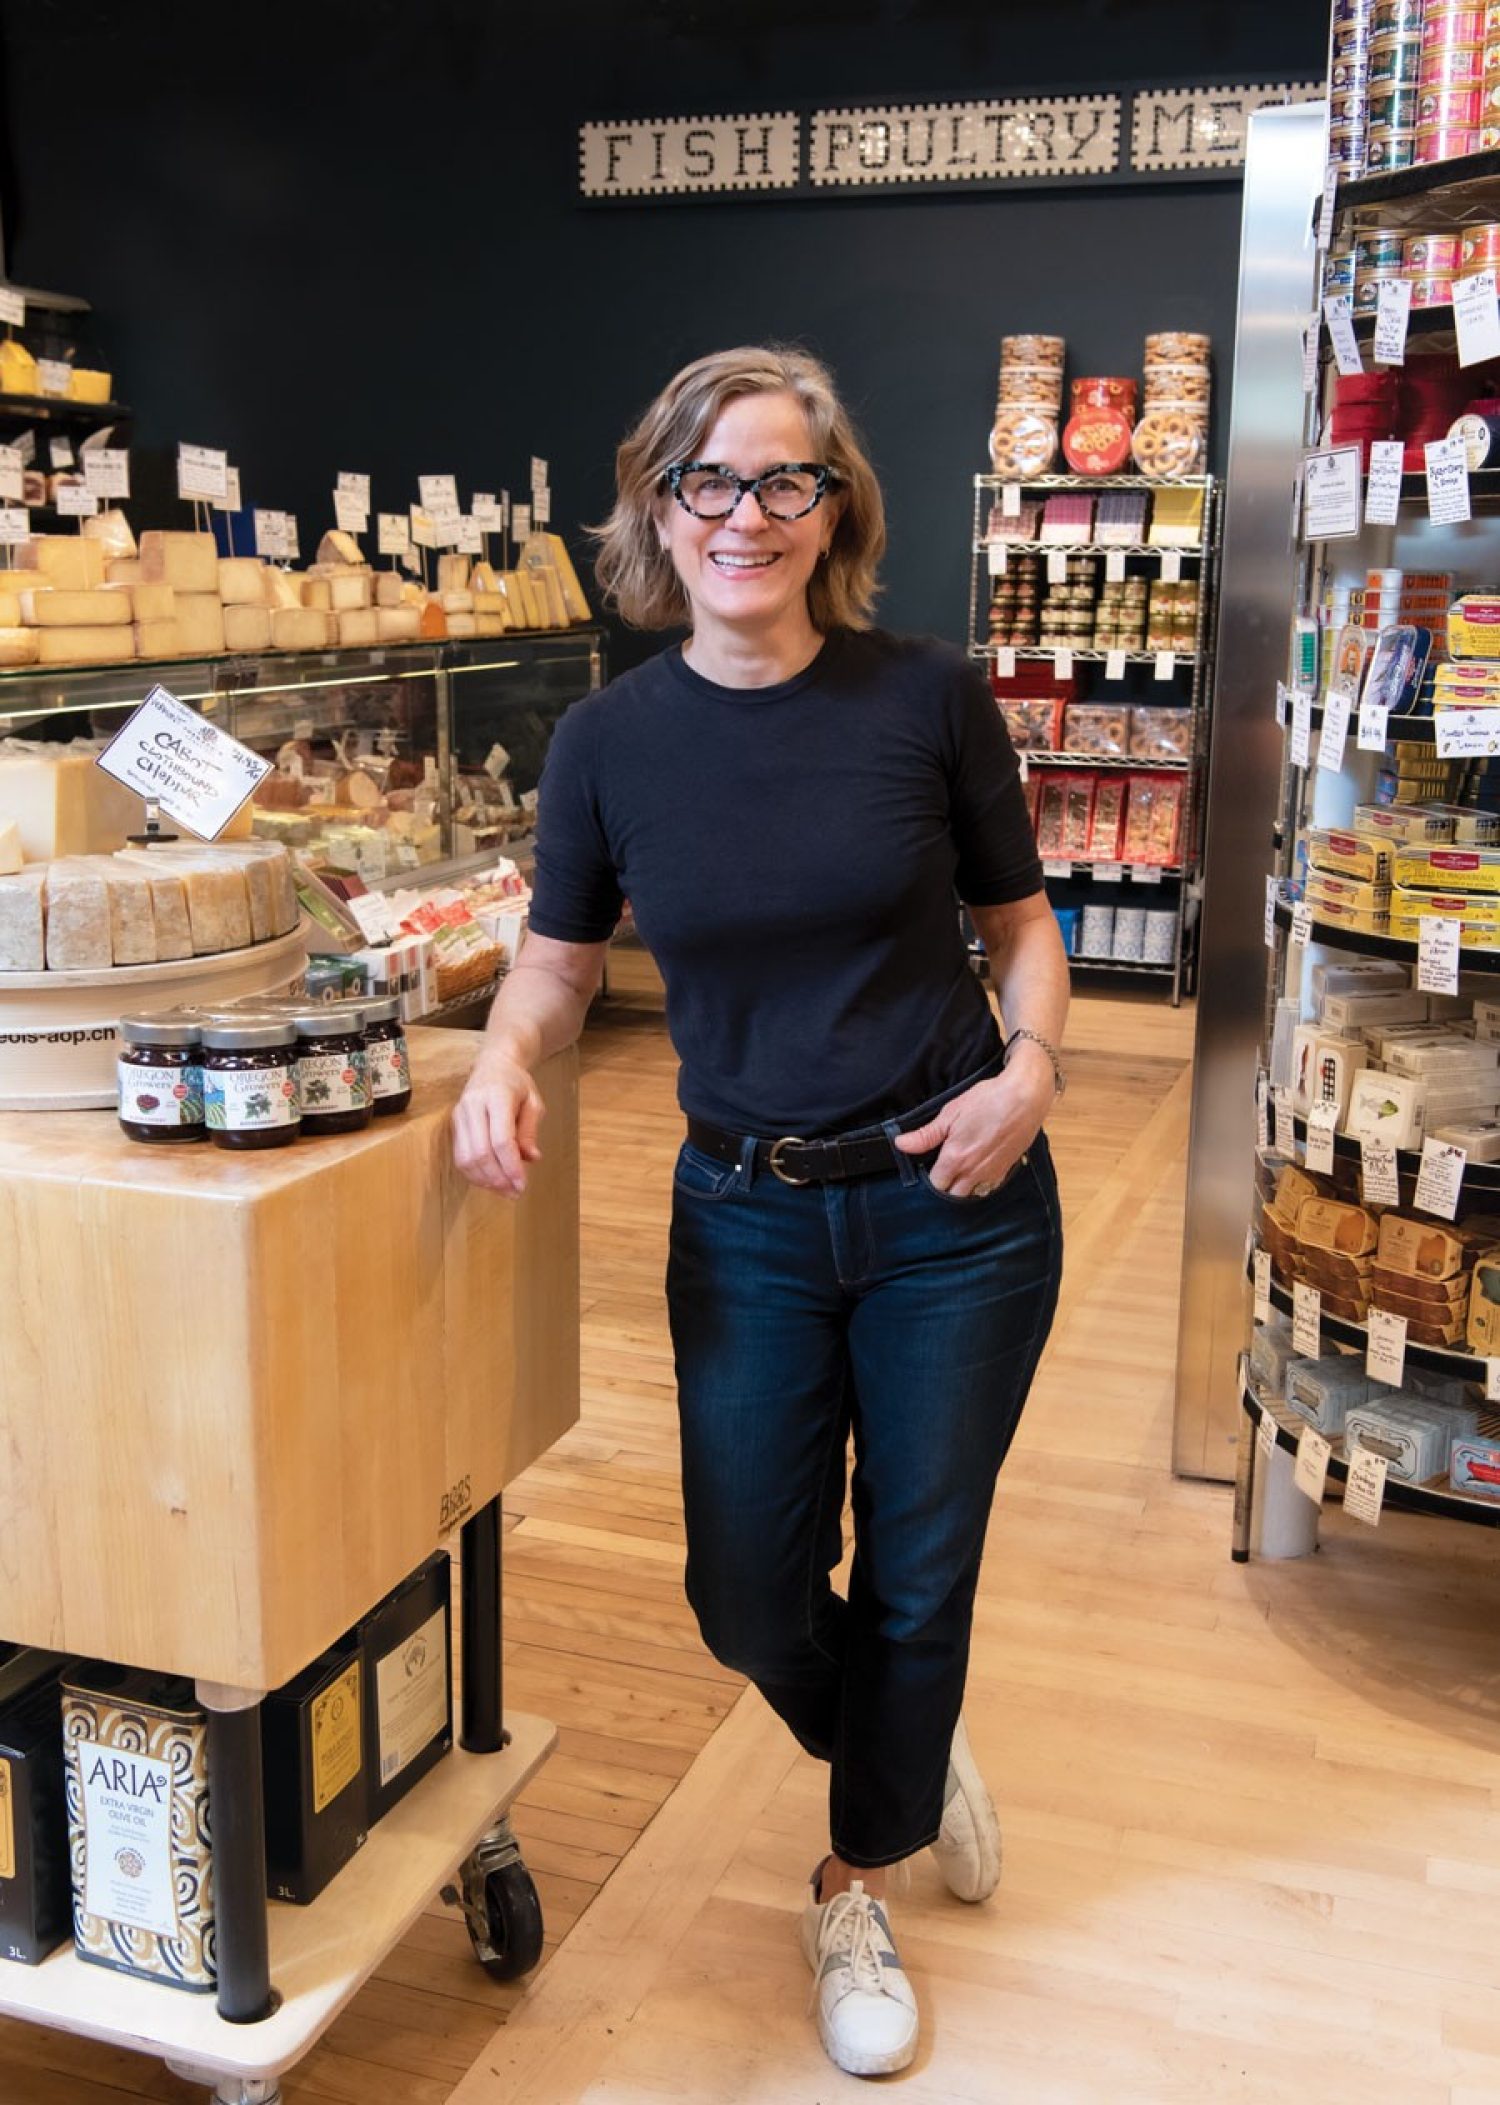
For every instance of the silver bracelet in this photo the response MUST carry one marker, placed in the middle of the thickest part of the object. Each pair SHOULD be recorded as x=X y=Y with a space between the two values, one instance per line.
x=1059 y=1079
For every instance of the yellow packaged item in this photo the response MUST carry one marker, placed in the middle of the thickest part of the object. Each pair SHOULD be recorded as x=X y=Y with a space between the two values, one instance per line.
x=1345 y=917
x=90 y=386
x=1448 y=868
x=1406 y=927
x=1474 y=625
x=1351 y=854
x=1403 y=823
x=1328 y=1224
x=1325 y=889
x=18 y=373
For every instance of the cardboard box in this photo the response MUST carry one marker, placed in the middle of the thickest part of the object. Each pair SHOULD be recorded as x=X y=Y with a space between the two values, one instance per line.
x=316 y=1778
x=1483 y=1327
x=406 y=1646
x=1329 y=1224
x=1421 y=1249
x=36 y=1885
x=1322 y=1390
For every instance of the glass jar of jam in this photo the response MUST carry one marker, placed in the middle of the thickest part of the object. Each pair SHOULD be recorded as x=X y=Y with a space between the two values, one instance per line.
x=390 y=1063
x=160 y=1068
x=250 y=1081
x=333 y=1077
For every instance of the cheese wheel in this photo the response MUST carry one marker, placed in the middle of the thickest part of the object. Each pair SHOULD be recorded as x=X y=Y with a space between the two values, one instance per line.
x=22 y=924
x=359 y=628
x=158 y=639
x=109 y=607
x=77 y=907
x=301 y=629
x=188 y=561
x=242 y=581
x=247 y=628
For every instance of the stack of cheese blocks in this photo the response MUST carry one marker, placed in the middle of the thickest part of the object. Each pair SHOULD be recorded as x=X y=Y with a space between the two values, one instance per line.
x=94 y=598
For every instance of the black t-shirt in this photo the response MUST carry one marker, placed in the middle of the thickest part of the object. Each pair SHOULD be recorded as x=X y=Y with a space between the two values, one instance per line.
x=791 y=855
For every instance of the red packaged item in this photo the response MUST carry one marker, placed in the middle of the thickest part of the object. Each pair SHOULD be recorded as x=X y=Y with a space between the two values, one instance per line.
x=1096 y=442
x=1034 y=722
x=1153 y=819
x=1107 y=822
x=1108 y=391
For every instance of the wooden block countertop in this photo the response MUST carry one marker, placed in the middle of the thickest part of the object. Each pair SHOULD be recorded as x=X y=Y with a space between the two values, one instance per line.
x=243 y=1395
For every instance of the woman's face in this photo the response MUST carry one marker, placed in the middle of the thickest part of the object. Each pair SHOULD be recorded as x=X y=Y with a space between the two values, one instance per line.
x=745 y=571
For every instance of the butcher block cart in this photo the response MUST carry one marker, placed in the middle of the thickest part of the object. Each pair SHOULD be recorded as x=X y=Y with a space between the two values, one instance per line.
x=241 y=1397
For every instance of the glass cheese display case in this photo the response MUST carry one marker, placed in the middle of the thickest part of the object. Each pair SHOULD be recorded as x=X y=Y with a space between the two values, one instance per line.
x=388 y=761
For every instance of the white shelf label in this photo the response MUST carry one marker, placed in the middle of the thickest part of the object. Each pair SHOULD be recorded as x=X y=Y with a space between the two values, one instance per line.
x=488 y=510
x=1339 y=314
x=1492 y=1381
x=1110 y=872
x=996 y=554
x=1377 y=1174
x=197 y=773
x=422 y=533
x=1440 y=1178
x=60 y=453
x=1307 y=1320
x=1144 y=873
x=470 y=539
x=1114 y=665
x=15 y=526
x=230 y=501
x=1383 y=486
x=1437 y=956
x=1364 y=1493
x=1447 y=482
x=1010 y=500
x=1301 y=754
x=349 y=515
x=1262 y=1108
x=1286 y=1130
x=1302 y=923
x=1057 y=566
x=1062 y=664
x=1335 y=730
x=1385 y=1349
x=541 y=508
x=520 y=522
x=1331 y=494
x=106 y=470
x=1005 y=663
x=1166 y=664
x=1271 y=913
x=356 y=488
x=1327 y=207
x=1283 y=702
x=1321 y=1121
x=1310 y=1470
x=202 y=473
x=1372 y=723
x=54 y=376
x=1310 y=333
x=1114 y=567
x=12 y=306
x=1171 y=566
x=12 y=475
x=1391 y=317
x=539 y=476
x=393 y=533
x=1265 y=1432
x=275 y=537
x=76 y=502
x=1056 y=866
x=1262 y=1286
x=1476 y=316
x=1467 y=734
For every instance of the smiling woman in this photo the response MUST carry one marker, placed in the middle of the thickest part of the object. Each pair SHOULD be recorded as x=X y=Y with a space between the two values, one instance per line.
x=865 y=1226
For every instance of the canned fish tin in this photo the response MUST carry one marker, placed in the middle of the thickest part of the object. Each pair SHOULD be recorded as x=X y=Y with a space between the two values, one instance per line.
x=1379 y=249
x=1447 y=106
x=1480 y=246
x=1347 y=13
x=1349 y=73
x=1346 y=110
x=1445 y=142
x=1452 y=66
x=1429 y=255
x=1338 y=276
x=1391 y=17
x=1388 y=149
x=1489 y=137
x=1491 y=19
x=1432 y=292
x=1395 y=108
x=1395 y=62
x=1346 y=151
x=1456 y=25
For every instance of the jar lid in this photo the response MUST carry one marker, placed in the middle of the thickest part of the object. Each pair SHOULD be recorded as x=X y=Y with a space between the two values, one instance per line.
x=246 y=1033
x=163 y=1030
x=330 y=1020
x=381 y=1008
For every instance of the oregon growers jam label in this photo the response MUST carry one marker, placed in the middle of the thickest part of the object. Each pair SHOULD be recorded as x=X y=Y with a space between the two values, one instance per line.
x=336 y=1081
x=161 y=1096
x=243 y=1099
x=390 y=1070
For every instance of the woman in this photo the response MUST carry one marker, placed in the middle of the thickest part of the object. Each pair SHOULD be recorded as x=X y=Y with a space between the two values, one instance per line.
x=865 y=1227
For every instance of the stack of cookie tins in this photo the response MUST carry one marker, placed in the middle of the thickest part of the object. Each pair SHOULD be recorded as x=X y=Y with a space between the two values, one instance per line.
x=1023 y=440
x=1172 y=435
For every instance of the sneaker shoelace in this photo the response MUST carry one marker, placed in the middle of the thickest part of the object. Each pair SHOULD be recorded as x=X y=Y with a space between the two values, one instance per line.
x=850 y=1928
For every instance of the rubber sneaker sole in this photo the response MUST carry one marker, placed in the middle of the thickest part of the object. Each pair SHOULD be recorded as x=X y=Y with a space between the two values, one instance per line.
x=968 y=1849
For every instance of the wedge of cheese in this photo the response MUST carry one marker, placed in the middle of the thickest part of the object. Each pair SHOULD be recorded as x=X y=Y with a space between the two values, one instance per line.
x=282 y=588
x=23 y=928
x=109 y=607
x=188 y=561
x=132 y=924
x=111 y=530
x=490 y=624
x=75 y=646
x=359 y=627
x=574 y=603
x=77 y=908
x=158 y=639
x=11 y=857
x=242 y=581
x=434 y=622
x=350 y=590
x=317 y=593
x=301 y=629
x=62 y=803
x=389 y=588
x=247 y=628
x=213 y=882
x=68 y=561
x=172 y=931
x=10 y=609
x=463 y=625
x=200 y=623
x=19 y=647
x=453 y=573
x=18 y=373
x=340 y=549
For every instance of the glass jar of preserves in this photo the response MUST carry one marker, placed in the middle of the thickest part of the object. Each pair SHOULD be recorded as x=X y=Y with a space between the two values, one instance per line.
x=389 y=1061
x=250 y=1081
x=332 y=1069
x=160 y=1069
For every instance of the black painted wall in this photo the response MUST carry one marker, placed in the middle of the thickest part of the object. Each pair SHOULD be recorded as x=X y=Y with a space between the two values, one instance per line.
x=346 y=234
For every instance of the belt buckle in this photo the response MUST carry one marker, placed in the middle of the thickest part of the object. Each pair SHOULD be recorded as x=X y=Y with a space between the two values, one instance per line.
x=773 y=1162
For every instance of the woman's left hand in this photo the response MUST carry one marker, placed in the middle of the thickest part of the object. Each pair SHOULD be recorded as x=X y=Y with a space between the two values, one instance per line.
x=984 y=1133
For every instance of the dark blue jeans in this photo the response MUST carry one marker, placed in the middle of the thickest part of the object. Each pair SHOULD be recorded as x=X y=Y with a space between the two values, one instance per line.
x=917 y=1320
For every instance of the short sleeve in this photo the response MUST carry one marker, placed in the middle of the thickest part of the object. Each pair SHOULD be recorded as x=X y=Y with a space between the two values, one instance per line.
x=576 y=895
x=997 y=858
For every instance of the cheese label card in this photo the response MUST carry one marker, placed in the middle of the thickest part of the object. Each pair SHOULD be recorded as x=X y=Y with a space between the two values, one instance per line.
x=106 y=470
x=12 y=306
x=1385 y=1351
x=355 y=487
x=350 y=516
x=1437 y=955
x=1114 y=665
x=172 y=756
x=490 y=513
x=470 y=539
x=15 y=527
x=1339 y=313
x=422 y=533
x=393 y=531
x=1364 y=1493
x=1447 y=481
x=1467 y=734
x=1330 y=483
x=1391 y=317
x=1440 y=1178
x=1307 y=1320
x=1476 y=316
x=1114 y=567
x=1383 y=486
x=1310 y=1470
x=1372 y=723
x=1286 y=1131
x=1377 y=1174
x=1335 y=730
x=520 y=522
x=76 y=502
x=1262 y=1286
x=230 y=501
x=997 y=555
x=1321 y=1120
x=54 y=376
x=1301 y=730
x=439 y=493
x=1057 y=566
x=60 y=453
x=12 y=475
x=202 y=473
x=1302 y=923
x=25 y=444
x=541 y=508
x=1265 y=1433
x=539 y=476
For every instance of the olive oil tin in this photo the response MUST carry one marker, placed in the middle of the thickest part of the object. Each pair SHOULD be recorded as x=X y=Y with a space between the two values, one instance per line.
x=36 y=1889
x=407 y=1647
x=316 y=1787
x=136 y=1746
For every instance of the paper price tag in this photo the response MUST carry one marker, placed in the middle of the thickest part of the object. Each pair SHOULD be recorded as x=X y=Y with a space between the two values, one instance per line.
x=1310 y=1470
x=1286 y=1130
x=541 y=508
x=520 y=522
x=1385 y=1348
x=76 y=502
x=15 y=526
x=1437 y=956
x=377 y=921
x=202 y=474
x=1283 y=702
x=1467 y=734
x=196 y=772
x=12 y=475
x=470 y=539
x=1302 y=923
x=1391 y=318
x=1055 y=866
x=1110 y=872
x=350 y=516
x=356 y=487
x=1310 y=334
x=1262 y=1108
x=1307 y=1320
x=106 y=470
x=1492 y=1381
x=1057 y=566
x=439 y=493
x=1114 y=665
x=1377 y=1174
x=490 y=513
x=1114 y=567
x=230 y=501
x=1447 y=482
x=1171 y=566
x=1010 y=500
x=290 y=535
x=1166 y=664
x=1265 y=1433
x=269 y=538
x=1476 y=316
x=1372 y=727
x=1005 y=662
x=25 y=445
x=421 y=529
x=1339 y=315
x=1301 y=752
x=1144 y=873
x=1321 y=1120
x=60 y=453
x=1062 y=664
x=996 y=553
x=1270 y=913
x=12 y=306
x=1331 y=494
x=54 y=376
x=1327 y=206
x=539 y=475
x=1383 y=485
x=1262 y=1286
x=393 y=533
x=1440 y=1178
x=1335 y=730
x=1364 y=1492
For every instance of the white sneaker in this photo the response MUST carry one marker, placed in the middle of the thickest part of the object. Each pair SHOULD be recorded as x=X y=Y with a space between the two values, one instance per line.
x=967 y=1849
x=867 y=2013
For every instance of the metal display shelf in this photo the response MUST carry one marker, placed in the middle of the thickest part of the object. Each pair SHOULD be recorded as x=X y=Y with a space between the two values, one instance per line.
x=1193 y=554
x=1457 y=185
x=1081 y=963
x=1126 y=869
x=60 y=409
x=1096 y=482
x=1385 y=946
x=1099 y=763
x=1478 y=1176
x=1084 y=655
x=1422 y=322
x=1461 y=1366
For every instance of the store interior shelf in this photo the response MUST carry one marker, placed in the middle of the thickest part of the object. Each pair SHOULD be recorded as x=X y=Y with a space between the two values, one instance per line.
x=1092 y=482
x=1454 y=187
x=1052 y=865
x=1193 y=554
x=1118 y=964
x=59 y=409
x=1385 y=946
x=1478 y=1176
x=1421 y=323
x=1461 y=1365
x=1102 y=763
x=1083 y=656
x=1410 y=1498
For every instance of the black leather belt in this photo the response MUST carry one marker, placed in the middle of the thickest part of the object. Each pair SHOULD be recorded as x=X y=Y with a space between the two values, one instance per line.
x=796 y=1161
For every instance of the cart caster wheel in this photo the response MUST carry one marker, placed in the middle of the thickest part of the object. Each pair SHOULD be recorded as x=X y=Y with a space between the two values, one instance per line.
x=501 y=1906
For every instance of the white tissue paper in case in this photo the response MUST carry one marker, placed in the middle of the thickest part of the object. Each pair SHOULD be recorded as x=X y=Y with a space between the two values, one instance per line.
x=1098 y=935
x=1130 y=933
x=1161 y=937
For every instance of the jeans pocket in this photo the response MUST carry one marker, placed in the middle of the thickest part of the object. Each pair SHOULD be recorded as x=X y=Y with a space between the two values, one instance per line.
x=700 y=1176
x=972 y=1198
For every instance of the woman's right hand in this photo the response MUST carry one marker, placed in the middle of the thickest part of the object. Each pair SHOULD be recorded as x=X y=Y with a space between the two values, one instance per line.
x=495 y=1125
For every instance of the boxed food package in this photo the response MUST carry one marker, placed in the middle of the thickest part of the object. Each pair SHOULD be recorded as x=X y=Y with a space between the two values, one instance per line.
x=1474 y=1466
x=1101 y=732
x=1355 y=1010
x=1326 y=890
x=1153 y=819
x=1293 y=1188
x=36 y=1888
x=1160 y=733
x=1404 y=824
x=1330 y=1224
x=1483 y=1328
x=1386 y=1107
x=316 y=1780
x=1421 y=1249
x=1480 y=1141
x=1323 y=1068
x=1350 y=855
x=1323 y=1390
x=406 y=1653
x=1107 y=820
x=1414 y=1441
x=1445 y=1058
x=1271 y=1353
x=1034 y=722
x=1353 y=920
x=1332 y=976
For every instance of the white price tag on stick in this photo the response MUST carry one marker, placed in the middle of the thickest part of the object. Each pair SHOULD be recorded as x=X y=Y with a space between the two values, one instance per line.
x=15 y=527
x=1114 y=665
x=1262 y=1286
x=996 y=554
x=1385 y=1350
x=1467 y=734
x=1339 y=315
x=1307 y=1320
x=1379 y=1184
x=1302 y=923
x=12 y=475
x=349 y=515
x=76 y=502
x=1286 y=1130
x=1476 y=316
x=1364 y=1493
x=106 y=470
x=202 y=473
x=172 y=756
x=1010 y=500
x=393 y=533
x=439 y=493
x=1437 y=955
x=1166 y=664
x=1310 y=1470
x=1301 y=754
x=1321 y=1121
x=1057 y=564
x=1383 y=486
x=356 y=488
x=1265 y=1433
x=1114 y=567
x=1005 y=662
x=12 y=306
x=1391 y=318
x=1440 y=1178
x=1335 y=730
x=1447 y=482
x=1062 y=664
x=1373 y=717
x=1492 y=1381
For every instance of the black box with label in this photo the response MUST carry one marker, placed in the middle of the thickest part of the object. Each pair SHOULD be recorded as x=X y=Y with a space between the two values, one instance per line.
x=36 y=1885
x=312 y=1737
x=407 y=1648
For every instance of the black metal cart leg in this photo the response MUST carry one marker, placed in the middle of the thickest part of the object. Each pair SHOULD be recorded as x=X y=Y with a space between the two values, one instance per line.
x=237 y=1817
x=482 y=1730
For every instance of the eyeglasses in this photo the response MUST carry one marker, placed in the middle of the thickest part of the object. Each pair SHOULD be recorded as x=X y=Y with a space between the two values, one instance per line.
x=788 y=491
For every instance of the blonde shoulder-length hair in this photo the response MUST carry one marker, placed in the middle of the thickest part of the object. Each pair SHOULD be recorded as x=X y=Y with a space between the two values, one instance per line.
x=635 y=572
